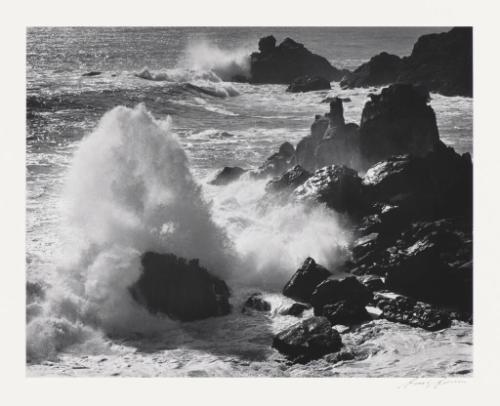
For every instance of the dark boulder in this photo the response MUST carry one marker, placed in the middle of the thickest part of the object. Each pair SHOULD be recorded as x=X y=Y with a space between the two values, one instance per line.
x=344 y=312
x=397 y=121
x=290 y=179
x=308 y=340
x=256 y=302
x=373 y=283
x=304 y=281
x=227 y=175
x=332 y=291
x=337 y=186
x=295 y=309
x=404 y=310
x=382 y=69
x=308 y=84
x=183 y=290
x=282 y=64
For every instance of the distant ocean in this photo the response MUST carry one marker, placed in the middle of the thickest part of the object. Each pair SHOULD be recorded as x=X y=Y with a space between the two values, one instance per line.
x=105 y=184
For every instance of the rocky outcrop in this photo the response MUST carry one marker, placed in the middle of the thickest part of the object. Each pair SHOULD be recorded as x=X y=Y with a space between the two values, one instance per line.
x=304 y=281
x=290 y=179
x=180 y=289
x=382 y=69
x=441 y=63
x=277 y=163
x=227 y=175
x=404 y=310
x=308 y=84
x=337 y=186
x=256 y=302
x=397 y=121
x=308 y=340
x=289 y=60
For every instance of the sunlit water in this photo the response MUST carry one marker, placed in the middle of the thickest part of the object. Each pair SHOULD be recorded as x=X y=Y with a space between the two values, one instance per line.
x=217 y=123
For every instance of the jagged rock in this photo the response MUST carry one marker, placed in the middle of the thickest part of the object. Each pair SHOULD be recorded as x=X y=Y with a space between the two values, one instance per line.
x=277 y=163
x=227 y=175
x=308 y=340
x=404 y=310
x=332 y=291
x=304 y=281
x=337 y=186
x=289 y=60
x=290 y=179
x=295 y=309
x=442 y=63
x=256 y=302
x=373 y=283
x=397 y=121
x=382 y=69
x=308 y=84
x=344 y=312
x=180 y=289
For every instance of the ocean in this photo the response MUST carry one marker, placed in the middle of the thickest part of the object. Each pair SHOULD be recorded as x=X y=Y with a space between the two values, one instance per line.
x=119 y=163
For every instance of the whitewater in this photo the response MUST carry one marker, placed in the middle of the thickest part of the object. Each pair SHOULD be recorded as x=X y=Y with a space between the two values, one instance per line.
x=119 y=164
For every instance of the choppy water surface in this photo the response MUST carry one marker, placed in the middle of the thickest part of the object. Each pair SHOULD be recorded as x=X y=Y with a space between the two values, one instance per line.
x=94 y=206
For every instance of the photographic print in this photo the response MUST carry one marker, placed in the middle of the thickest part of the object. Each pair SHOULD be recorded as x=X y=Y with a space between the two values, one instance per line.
x=249 y=201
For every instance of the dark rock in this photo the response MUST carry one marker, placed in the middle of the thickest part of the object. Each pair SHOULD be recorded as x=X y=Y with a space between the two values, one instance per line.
x=397 y=121
x=337 y=186
x=342 y=355
x=295 y=309
x=92 y=73
x=277 y=163
x=290 y=179
x=404 y=310
x=240 y=79
x=308 y=84
x=289 y=60
x=227 y=175
x=332 y=291
x=373 y=283
x=330 y=99
x=256 y=302
x=180 y=289
x=344 y=312
x=304 y=281
x=308 y=340
x=382 y=69
x=442 y=63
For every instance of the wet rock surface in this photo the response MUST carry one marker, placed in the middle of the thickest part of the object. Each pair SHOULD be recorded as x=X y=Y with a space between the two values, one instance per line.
x=304 y=281
x=180 y=289
x=308 y=84
x=308 y=340
x=256 y=302
x=227 y=175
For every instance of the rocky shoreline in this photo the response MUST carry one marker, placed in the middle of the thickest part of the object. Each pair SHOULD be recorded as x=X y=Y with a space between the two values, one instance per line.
x=408 y=198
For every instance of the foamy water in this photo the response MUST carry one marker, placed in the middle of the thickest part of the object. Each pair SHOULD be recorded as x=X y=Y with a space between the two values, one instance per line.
x=106 y=183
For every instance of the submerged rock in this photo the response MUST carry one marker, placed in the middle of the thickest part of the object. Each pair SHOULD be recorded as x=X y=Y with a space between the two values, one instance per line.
x=256 y=302
x=295 y=309
x=183 y=290
x=308 y=340
x=227 y=175
x=304 y=281
x=277 y=163
x=92 y=73
x=308 y=84
x=404 y=310
x=282 y=64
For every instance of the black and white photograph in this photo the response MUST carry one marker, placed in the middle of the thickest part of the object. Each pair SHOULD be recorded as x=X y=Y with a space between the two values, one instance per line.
x=249 y=201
